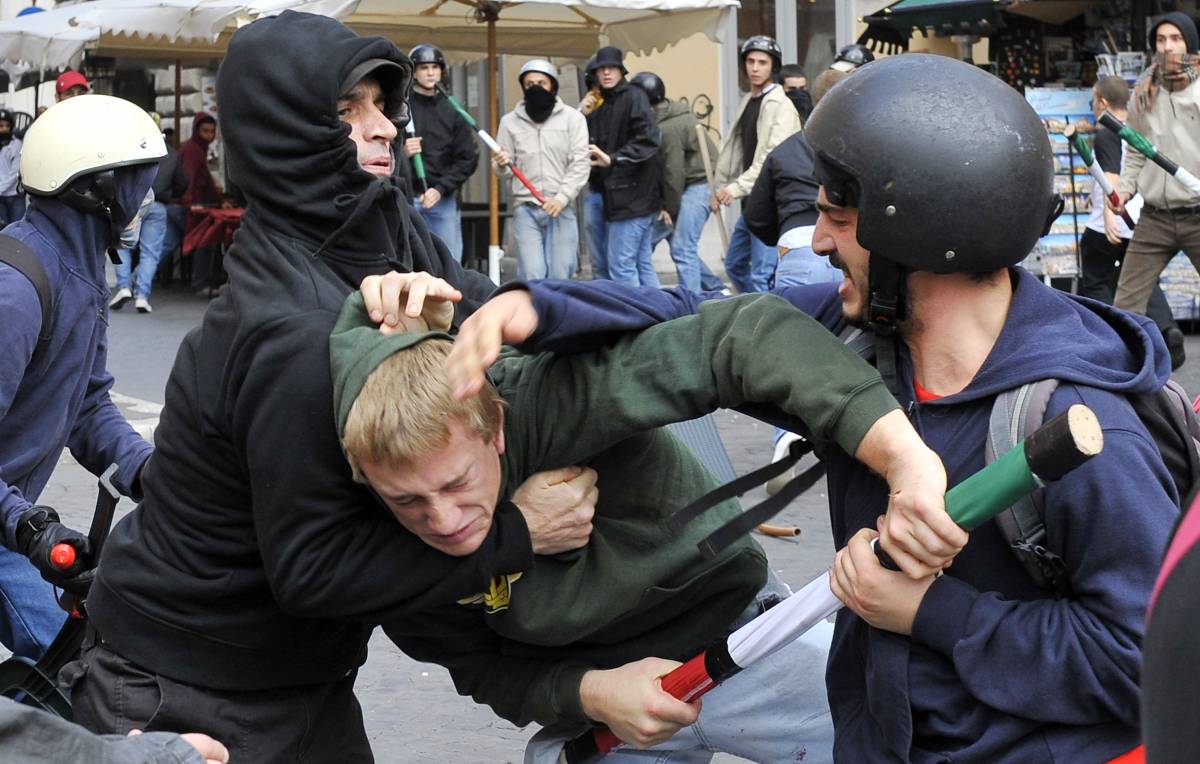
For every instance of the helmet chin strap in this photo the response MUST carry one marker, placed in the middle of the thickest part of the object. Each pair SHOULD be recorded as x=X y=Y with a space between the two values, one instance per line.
x=886 y=282
x=97 y=195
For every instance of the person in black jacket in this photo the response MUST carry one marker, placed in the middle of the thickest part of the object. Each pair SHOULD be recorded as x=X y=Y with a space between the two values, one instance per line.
x=447 y=144
x=238 y=598
x=626 y=173
x=169 y=185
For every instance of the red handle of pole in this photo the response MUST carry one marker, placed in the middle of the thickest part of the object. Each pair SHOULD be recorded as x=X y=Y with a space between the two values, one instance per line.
x=62 y=556
x=686 y=682
x=525 y=182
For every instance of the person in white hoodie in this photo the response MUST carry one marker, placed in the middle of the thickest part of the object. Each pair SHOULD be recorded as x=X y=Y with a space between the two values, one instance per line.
x=548 y=142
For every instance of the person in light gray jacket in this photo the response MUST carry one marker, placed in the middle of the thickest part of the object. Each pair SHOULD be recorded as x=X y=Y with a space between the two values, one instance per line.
x=547 y=141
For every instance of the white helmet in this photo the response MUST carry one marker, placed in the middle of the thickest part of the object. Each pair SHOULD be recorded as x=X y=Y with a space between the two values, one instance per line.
x=542 y=66
x=83 y=135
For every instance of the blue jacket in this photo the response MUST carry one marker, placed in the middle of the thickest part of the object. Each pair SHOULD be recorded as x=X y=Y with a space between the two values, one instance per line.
x=60 y=397
x=996 y=669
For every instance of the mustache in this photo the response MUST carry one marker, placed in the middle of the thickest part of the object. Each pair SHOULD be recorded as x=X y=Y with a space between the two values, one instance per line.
x=836 y=261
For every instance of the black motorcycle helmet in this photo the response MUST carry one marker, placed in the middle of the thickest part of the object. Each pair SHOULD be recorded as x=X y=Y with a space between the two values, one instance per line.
x=763 y=44
x=427 y=54
x=851 y=57
x=950 y=168
x=652 y=84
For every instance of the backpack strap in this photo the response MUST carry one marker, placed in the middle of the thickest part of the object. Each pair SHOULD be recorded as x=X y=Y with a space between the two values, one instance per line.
x=1015 y=414
x=21 y=258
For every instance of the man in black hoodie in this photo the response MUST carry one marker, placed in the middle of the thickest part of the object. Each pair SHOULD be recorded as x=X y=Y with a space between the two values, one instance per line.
x=626 y=172
x=238 y=598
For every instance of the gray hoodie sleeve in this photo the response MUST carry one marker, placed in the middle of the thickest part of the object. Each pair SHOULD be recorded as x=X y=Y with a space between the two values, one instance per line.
x=30 y=736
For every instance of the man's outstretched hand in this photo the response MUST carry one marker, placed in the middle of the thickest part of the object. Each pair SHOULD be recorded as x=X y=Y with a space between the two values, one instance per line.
x=506 y=319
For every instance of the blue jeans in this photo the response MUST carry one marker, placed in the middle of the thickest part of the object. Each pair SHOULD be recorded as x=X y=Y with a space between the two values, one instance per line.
x=628 y=251
x=774 y=711
x=749 y=263
x=693 y=212
x=709 y=281
x=150 y=244
x=30 y=617
x=803 y=266
x=444 y=223
x=595 y=227
x=546 y=247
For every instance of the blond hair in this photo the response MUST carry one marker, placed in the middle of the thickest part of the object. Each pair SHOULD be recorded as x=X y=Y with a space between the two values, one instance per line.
x=405 y=407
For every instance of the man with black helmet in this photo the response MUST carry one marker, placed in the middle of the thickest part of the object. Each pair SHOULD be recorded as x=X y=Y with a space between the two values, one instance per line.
x=86 y=186
x=851 y=57
x=684 y=182
x=548 y=141
x=985 y=663
x=764 y=119
x=237 y=599
x=12 y=199
x=1165 y=108
x=446 y=143
x=625 y=195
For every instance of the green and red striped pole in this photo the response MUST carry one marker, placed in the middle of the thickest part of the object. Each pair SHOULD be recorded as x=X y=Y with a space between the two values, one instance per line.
x=1094 y=169
x=490 y=142
x=1151 y=152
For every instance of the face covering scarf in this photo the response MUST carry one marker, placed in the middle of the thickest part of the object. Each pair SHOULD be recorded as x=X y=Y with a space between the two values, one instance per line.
x=539 y=102
x=1174 y=71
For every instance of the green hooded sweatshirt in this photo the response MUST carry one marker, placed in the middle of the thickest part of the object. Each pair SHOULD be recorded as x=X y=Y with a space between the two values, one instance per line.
x=637 y=589
x=683 y=164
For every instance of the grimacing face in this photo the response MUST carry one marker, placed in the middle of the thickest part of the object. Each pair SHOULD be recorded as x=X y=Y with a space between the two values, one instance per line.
x=446 y=499
x=836 y=237
x=370 y=129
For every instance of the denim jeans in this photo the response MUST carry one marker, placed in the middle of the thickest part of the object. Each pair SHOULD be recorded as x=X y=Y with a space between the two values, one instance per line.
x=30 y=617
x=546 y=247
x=150 y=243
x=803 y=266
x=748 y=262
x=628 y=251
x=709 y=281
x=12 y=209
x=774 y=711
x=685 y=239
x=443 y=222
x=595 y=228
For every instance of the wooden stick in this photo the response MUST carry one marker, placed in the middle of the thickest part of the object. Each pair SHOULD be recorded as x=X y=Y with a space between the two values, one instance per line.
x=712 y=182
x=778 y=530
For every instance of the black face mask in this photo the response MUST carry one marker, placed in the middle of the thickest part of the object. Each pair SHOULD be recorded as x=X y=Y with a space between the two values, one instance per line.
x=539 y=102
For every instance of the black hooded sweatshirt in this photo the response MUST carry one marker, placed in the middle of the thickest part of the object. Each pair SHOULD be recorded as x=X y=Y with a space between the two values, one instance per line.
x=447 y=145
x=255 y=561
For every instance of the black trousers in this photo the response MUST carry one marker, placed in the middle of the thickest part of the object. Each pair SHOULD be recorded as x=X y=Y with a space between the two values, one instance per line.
x=311 y=723
x=1102 y=266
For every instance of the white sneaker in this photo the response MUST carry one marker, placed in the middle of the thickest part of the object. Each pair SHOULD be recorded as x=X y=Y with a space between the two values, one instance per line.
x=119 y=298
x=142 y=305
x=776 y=484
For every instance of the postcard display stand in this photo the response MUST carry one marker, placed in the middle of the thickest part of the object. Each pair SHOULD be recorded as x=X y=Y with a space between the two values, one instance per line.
x=1056 y=255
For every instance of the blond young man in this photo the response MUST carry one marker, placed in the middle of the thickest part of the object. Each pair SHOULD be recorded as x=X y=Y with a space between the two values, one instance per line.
x=583 y=638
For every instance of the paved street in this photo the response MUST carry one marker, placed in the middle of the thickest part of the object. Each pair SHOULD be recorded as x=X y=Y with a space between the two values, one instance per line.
x=412 y=712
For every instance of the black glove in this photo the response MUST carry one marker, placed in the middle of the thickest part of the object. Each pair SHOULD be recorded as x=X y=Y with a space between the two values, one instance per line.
x=38 y=532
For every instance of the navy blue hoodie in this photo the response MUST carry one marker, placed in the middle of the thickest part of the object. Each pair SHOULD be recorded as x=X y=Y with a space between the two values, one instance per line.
x=59 y=397
x=996 y=670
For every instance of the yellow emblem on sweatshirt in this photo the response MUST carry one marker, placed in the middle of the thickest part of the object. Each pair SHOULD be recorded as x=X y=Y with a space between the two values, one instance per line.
x=497 y=597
